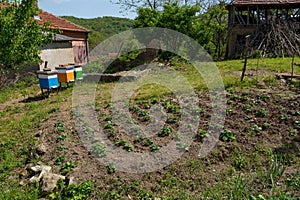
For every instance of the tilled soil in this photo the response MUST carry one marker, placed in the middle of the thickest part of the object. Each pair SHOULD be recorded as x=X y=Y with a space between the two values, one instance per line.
x=261 y=121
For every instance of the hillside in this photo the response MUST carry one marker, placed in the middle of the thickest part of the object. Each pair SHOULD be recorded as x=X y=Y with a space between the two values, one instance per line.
x=101 y=27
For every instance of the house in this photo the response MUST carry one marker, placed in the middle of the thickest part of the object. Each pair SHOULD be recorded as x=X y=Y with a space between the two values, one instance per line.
x=60 y=51
x=70 y=46
x=249 y=17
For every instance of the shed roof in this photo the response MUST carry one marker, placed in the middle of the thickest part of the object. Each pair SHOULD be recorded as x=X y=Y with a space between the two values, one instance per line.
x=265 y=2
x=62 y=38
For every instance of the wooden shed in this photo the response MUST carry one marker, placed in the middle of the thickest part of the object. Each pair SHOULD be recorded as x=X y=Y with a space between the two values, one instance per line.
x=247 y=17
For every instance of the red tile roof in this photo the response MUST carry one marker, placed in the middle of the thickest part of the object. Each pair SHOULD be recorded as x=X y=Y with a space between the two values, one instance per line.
x=57 y=22
x=265 y=2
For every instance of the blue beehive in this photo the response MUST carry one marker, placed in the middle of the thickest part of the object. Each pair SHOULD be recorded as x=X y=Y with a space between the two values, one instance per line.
x=48 y=79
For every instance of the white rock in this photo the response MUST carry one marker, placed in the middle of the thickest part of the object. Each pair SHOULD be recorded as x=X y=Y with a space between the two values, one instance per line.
x=40 y=168
x=49 y=182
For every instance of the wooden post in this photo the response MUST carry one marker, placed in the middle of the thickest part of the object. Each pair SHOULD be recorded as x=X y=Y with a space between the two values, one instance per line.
x=246 y=57
x=293 y=62
x=248 y=17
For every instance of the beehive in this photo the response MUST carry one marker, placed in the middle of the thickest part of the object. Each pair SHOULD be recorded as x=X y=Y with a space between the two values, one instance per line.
x=78 y=72
x=65 y=73
x=48 y=79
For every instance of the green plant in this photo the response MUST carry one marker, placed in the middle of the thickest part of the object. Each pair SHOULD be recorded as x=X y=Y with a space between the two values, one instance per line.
x=53 y=110
x=229 y=111
x=239 y=190
x=111 y=168
x=112 y=133
x=244 y=98
x=273 y=173
x=128 y=147
x=198 y=110
x=145 y=118
x=134 y=108
x=147 y=142
x=61 y=148
x=248 y=117
x=61 y=138
x=297 y=124
x=247 y=108
x=255 y=128
x=229 y=102
x=174 y=120
x=108 y=126
x=173 y=108
x=239 y=162
x=227 y=135
x=293 y=132
x=265 y=126
x=59 y=124
x=60 y=160
x=108 y=119
x=142 y=113
x=72 y=192
x=154 y=148
x=202 y=133
x=165 y=132
x=263 y=96
x=255 y=101
x=293 y=182
x=234 y=97
x=284 y=117
x=98 y=150
x=59 y=127
x=261 y=112
x=139 y=138
x=119 y=143
x=67 y=167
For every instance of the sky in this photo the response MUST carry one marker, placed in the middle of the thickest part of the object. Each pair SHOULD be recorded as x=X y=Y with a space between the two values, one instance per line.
x=83 y=8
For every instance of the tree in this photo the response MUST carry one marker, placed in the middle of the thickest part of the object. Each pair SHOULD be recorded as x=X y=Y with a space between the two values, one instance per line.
x=208 y=26
x=134 y=5
x=183 y=19
x=217 y=17
x=21 y=36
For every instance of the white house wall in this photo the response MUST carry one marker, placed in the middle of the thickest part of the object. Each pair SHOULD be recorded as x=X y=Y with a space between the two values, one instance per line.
x=57 y=54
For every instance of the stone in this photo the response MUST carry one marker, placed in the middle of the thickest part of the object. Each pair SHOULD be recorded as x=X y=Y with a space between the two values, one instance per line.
x=49 y=182
x=70 y=180
x=41 y=149
x=41 y=170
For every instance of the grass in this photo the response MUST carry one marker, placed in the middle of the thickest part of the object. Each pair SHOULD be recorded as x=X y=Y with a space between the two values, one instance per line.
x=23 y=112
x=19 y=121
